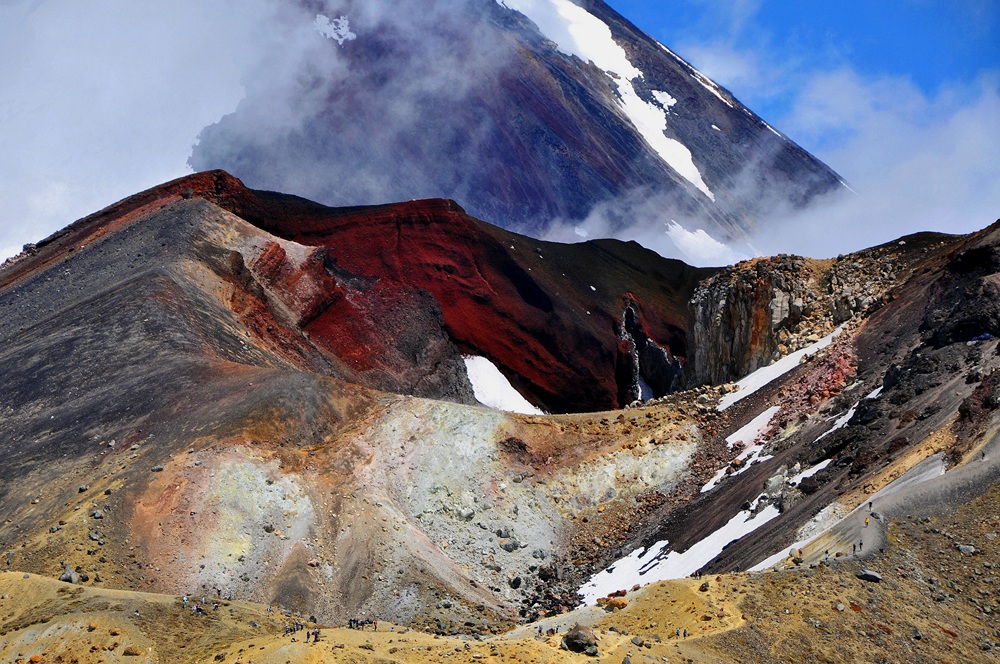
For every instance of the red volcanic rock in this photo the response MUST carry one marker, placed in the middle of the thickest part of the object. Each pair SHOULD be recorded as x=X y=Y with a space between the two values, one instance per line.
x=393 y=290
x=552 y=317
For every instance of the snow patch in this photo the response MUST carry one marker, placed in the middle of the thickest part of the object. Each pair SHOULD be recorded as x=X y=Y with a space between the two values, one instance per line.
x=663 y=97
x=716 y=128
x=575 y=31
x=492 y=388
x=338 y=29
x=758 y=379
x=840 y=423
x=747 y=435
x=809 y=472
x=658 y=564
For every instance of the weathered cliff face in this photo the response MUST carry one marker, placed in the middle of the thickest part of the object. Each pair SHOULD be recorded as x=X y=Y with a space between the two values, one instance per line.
x=757 y=311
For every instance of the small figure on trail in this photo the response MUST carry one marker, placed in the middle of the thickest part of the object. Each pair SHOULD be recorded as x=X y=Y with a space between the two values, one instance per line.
x=861 y=545
x=685 y=633
x=184 y=601
x=866 y=522
x=827 y=554
x=316 y=635
x=215 y=607
x=869 y=506
x=854 y=549
x=307 y=637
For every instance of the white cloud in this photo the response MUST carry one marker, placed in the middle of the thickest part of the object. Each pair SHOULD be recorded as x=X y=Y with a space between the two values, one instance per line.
x=100 y=99
x=647 y=219
x=917 y=162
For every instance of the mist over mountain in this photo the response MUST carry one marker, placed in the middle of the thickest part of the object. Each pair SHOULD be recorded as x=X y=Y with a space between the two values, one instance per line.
x=542 y=117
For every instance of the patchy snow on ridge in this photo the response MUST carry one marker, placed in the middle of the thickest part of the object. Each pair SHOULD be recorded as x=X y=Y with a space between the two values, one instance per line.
x=711 y=87
x=658 y=564
x=809 y=472
x=575 y=31
x=747 y=436
x=663 y=97
x=492 y=388
x=758 y=379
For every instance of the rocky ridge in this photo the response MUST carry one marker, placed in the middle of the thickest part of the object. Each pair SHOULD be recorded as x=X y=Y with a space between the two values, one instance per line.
x=140 y=414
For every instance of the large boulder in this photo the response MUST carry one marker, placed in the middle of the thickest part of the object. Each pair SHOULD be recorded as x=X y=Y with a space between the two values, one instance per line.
x=579 y=639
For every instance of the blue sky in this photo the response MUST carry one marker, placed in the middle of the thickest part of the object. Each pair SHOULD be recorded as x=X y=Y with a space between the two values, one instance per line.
x=764 y=51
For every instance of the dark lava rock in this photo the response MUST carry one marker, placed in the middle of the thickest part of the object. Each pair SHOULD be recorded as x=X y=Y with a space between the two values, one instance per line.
x=869 y=575
x=510 y=545
x=580 y=639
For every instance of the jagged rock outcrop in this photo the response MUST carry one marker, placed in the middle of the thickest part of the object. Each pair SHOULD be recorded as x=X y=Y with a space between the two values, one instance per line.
x=757 y=311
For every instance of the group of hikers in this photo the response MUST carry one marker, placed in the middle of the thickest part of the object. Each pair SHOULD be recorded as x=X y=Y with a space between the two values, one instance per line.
x=198 y=609
x=298 y=626
x=362 y=623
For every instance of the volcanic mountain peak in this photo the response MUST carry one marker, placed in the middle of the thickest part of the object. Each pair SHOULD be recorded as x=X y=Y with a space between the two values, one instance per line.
x=532 y=113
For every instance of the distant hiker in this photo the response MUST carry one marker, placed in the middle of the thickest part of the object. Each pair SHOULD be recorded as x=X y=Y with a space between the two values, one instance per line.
x=184 y=601
x=268 y=608
x=539 y=630
x=866 y=522
x=316 y=636
x=215 y=607
x=375 y=624
x=678 y=632
x=685 y=633
x=854 y=549
x=861 y=545
x=307 y=637
x=827 y=554
x=983 y=457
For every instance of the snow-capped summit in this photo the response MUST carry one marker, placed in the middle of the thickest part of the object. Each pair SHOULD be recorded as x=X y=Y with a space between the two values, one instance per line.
x=526 y=112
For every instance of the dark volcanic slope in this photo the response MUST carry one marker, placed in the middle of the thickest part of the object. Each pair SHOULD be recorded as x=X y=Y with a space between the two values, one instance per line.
x=916 y=373
x=388 y=295
x=475 y=102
